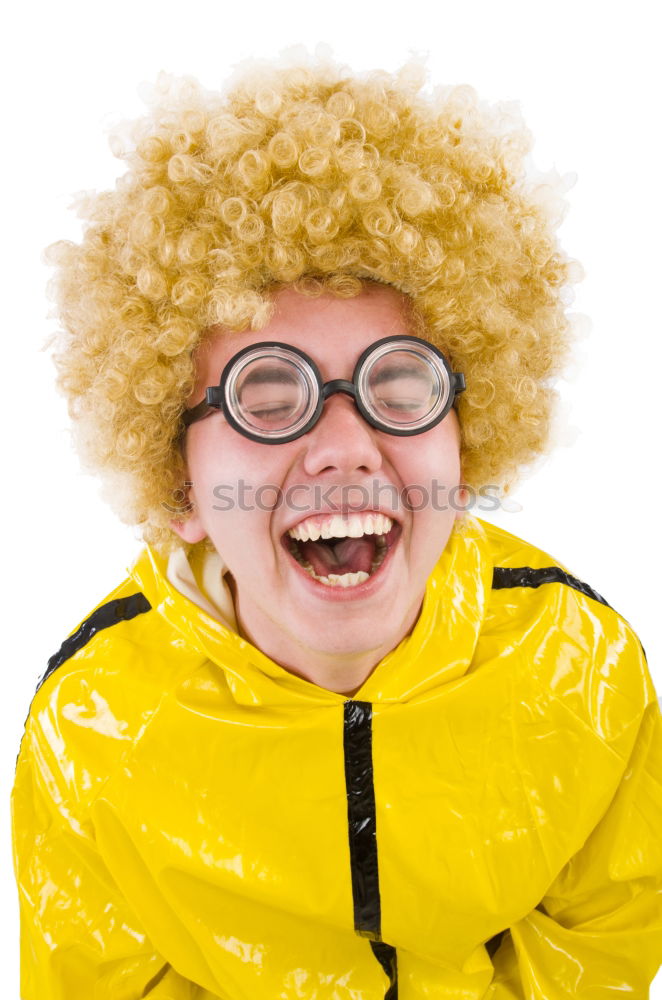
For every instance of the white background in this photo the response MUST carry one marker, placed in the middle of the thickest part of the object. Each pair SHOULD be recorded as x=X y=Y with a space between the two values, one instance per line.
x=585 y=76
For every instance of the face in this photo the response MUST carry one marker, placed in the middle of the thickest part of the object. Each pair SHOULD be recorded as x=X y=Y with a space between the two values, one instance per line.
x=263 y=506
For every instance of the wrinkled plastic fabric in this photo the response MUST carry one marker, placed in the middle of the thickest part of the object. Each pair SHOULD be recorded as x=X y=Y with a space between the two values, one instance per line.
x=181 y=805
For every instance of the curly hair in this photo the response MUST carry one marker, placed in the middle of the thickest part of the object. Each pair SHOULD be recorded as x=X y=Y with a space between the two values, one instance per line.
x=315 y=175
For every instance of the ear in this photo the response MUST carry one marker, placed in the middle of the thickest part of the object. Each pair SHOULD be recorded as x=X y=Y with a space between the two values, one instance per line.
x=461 y=499
x=191 y=528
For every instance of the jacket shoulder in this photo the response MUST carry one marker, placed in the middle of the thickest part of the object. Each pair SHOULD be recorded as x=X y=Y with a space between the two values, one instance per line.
x=520 y=564
x=99 y=691
x=582 y=650
x=122 y=605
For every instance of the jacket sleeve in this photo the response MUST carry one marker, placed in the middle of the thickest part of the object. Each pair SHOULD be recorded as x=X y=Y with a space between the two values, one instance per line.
x=597 y=933
x=79 y=938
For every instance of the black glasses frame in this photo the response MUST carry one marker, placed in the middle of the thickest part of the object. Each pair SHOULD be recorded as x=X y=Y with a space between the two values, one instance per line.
x=215 y=395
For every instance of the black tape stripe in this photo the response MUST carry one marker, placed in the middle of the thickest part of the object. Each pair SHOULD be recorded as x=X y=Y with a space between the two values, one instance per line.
x=387 y=957
x=361 y=817
x=525 y=576
x=362 y=823
x=120 y=610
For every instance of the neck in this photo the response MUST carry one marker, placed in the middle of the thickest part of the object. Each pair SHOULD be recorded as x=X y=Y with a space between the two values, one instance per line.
x=338 y=670
x=343 y=674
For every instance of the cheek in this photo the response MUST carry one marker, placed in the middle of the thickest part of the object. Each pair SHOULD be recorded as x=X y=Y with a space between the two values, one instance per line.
x=201 y=474
x=430 y=474
x=237 y=483
x=434 y=456
x=214 y=460
x=208 y=474
x=447 y=453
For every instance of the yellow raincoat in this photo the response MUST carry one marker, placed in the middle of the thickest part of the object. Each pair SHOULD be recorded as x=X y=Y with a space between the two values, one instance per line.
x=481 y=820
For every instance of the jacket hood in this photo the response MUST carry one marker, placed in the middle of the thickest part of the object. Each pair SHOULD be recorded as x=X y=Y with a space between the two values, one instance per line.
x=192 y=594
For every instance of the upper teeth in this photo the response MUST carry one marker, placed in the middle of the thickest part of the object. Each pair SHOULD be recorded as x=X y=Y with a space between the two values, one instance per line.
x=341 y=526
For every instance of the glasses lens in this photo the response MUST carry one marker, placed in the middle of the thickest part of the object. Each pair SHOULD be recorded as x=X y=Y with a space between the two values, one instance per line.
x=271 y=393
x=404 y=386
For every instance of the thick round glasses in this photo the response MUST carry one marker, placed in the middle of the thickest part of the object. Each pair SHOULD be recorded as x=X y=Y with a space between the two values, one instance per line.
x=274 y=393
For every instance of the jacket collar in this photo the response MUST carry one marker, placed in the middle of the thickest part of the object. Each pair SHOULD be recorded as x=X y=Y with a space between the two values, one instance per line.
x=194 y=598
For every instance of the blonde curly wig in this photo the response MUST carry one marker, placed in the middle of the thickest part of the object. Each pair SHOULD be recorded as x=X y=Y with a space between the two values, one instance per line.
x=311 y=174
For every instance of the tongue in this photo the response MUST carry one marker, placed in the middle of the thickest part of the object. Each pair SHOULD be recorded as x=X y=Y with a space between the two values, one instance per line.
x=347 y=556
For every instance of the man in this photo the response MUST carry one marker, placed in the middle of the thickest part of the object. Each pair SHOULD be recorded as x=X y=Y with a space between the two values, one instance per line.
x=334 y=737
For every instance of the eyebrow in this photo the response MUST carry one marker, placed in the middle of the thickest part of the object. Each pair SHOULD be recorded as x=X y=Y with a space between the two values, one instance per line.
x=271 y=374
x=390 y=374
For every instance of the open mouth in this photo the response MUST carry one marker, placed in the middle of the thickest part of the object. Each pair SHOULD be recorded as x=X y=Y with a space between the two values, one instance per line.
x=342 y=550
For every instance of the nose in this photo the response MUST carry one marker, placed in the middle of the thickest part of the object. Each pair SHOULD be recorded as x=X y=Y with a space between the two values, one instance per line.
x=341 y=441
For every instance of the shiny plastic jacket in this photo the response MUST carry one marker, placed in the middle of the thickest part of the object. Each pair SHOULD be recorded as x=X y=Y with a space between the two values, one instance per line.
x=481 y=820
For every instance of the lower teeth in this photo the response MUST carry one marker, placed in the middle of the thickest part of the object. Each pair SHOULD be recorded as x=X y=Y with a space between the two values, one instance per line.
x=345 y=579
